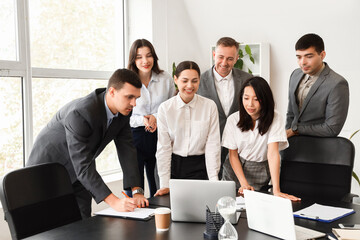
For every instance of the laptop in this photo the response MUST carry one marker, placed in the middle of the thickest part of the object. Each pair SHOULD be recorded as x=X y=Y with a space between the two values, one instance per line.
x=274 y=216
x=189 y=198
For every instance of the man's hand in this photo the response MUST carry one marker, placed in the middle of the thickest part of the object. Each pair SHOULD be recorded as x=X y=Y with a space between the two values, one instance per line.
x=162 y=191
x=121 y=205
x=141 y=201
x=290 y=133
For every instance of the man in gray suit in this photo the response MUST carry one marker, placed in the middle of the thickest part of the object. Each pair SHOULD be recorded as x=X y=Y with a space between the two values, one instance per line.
x=79 y=132
x=222 y=84
x=318 y=96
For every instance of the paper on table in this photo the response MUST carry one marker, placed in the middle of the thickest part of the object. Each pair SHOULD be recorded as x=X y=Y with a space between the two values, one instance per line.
x=240 y=203
x=346 y=234
x=322 y=212
x=138 y=213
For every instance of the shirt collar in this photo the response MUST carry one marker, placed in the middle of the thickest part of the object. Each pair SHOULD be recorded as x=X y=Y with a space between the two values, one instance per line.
x=154 y=77
x=180 y=103
x=109 y=114
x=218 y=77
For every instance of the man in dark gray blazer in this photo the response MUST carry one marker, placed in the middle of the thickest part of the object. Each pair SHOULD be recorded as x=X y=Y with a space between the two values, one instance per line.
x=318 y=96
x=79 y=132
x=222 y=83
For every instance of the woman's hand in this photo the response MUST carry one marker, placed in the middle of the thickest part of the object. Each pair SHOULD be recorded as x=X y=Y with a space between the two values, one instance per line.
x=288 y=196
x=247 y=187
x=162 y=191
x=150 y=123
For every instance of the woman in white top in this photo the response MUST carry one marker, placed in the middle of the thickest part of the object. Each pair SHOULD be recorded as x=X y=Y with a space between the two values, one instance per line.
x=254 y=135
x=188 y=132
x=157 y=86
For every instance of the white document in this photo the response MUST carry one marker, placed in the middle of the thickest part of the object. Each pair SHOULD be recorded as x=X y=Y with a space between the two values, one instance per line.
x=348 y=234
x=240 y=203
x=138 y=213
x=323 y=213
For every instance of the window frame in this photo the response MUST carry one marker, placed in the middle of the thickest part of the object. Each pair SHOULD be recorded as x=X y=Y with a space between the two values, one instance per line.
x=22 y=68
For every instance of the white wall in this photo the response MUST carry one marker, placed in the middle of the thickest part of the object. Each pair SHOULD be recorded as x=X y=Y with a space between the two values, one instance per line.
x=186 y=29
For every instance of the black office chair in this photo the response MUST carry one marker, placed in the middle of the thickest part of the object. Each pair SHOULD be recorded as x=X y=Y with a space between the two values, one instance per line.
x=38 y=198
x=318 y=168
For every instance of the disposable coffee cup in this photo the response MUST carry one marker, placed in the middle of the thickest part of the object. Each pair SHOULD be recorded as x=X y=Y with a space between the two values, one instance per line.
x=162 y=218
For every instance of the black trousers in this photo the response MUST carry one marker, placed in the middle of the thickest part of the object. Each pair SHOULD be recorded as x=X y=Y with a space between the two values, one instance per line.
x=145 y=143
x=83 y=198
x=190 y=167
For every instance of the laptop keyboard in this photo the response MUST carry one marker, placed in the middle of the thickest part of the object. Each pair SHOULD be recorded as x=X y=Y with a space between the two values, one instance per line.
x=306 y=233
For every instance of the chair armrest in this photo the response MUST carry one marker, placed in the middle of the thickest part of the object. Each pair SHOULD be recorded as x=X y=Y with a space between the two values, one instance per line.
x=349 y=197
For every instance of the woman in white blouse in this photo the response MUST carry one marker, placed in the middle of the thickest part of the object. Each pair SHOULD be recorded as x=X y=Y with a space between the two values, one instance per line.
x=188 y=132
x=254 y=135
x=157 y=86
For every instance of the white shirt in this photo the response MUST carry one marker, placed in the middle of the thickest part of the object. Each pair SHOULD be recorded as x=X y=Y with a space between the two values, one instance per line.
x=161 y=87
x=250 y=144
x=186 y=130
x=225 y=90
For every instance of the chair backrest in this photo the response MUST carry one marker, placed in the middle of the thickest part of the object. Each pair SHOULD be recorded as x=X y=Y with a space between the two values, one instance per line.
x=38 y=198
x=317 y=168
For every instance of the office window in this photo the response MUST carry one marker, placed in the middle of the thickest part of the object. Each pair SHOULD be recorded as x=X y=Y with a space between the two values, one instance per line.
x=8 y=46
x=79 y=34
x=52 y=52
x=11 y=130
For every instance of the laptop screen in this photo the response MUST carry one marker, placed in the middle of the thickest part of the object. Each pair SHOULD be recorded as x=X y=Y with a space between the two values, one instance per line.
x=189 y=198
x=269 y=214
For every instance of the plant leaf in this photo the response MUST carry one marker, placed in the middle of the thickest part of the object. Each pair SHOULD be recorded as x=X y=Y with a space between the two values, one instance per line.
x=252 y=59
x=249 y=71
x=248 y=50
x=173 y=69
x=354 y=134
x=239 y=64
x=241 y=54
x=356 y=177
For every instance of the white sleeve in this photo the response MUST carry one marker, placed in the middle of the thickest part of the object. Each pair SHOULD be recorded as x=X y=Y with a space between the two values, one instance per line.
x=277 y=132
x=136 y=121
x=228 y=138
x=213 y=147
x=164 y=148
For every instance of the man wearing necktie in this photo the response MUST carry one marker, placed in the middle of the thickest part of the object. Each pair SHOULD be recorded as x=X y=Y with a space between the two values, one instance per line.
x=318 y=96
x=222 y=83
x=80 y=131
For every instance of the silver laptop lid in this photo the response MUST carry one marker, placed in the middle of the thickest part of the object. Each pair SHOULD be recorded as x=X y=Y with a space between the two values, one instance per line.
x=269 y=214
x=188 y=198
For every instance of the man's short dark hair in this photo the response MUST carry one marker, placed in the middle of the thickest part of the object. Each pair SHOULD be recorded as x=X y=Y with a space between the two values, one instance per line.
x=228 y=42
x=122 y=76
x=310 y=40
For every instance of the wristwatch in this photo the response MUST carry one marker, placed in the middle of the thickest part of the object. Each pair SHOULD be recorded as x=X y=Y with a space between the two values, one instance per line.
x=138 y=190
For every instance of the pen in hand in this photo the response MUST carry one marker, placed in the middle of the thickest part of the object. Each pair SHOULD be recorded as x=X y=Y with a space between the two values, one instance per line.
x=128 y=197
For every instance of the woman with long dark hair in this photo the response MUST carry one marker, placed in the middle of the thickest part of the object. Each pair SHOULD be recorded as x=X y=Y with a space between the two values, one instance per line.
x=157 y=86
x=254 y=135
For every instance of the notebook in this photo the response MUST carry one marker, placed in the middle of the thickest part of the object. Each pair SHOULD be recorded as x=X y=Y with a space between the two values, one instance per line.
x=138 y=213
x=323 y=213
x=274 y=216
x=188 y=198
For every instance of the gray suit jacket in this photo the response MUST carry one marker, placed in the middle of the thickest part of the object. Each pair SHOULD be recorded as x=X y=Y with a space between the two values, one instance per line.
x=325 y=107
x=207 y=89
x=77 y=134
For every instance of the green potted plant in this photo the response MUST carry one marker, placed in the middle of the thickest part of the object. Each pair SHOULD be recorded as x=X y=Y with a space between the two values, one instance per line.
x=240 y=62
